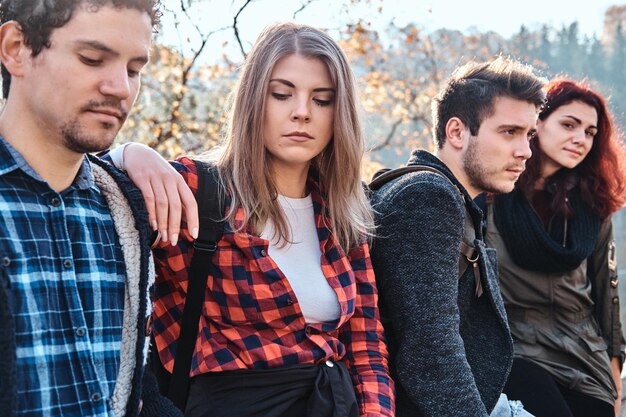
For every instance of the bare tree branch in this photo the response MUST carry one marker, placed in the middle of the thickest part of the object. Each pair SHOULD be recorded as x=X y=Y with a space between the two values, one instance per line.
x=388 y=138
x=174 y=114
x=302 y=7
x=236 y=29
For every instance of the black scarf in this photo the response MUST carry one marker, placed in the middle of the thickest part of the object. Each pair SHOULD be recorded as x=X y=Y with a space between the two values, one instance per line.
x=533 y=247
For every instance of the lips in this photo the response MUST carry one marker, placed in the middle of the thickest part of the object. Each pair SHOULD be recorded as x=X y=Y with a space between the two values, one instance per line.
x=516 y=169
x=107 y=112
x=109 y=107
x=573 y=152
x=298 y=135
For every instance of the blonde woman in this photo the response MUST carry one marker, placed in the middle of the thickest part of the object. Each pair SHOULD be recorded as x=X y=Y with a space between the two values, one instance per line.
x=290 y=323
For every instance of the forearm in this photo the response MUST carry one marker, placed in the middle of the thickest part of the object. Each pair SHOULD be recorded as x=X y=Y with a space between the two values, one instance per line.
x=603 y=276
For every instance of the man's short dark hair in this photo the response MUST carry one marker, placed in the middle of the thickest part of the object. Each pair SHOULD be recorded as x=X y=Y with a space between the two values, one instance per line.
x=38 y=18
x=470 y=93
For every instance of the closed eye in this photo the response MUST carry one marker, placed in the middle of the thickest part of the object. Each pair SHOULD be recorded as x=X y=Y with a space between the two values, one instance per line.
x=133 y=73
x=322 y=103
x=88 y=61
x=281 y=97
x=510 y=132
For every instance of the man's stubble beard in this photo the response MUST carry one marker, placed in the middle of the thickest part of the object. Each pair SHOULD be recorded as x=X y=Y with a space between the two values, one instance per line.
x=478 y=177
x=77 y=139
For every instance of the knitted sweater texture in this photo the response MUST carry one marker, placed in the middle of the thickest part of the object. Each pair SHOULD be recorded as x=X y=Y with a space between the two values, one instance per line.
x=450 y=350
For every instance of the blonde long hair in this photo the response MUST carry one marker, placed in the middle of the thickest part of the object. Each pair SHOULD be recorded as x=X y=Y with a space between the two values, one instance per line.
x=244 y=164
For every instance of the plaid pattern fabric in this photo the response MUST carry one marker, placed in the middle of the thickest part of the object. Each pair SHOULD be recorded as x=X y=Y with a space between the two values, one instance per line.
x=251 y=318
x=60 y=259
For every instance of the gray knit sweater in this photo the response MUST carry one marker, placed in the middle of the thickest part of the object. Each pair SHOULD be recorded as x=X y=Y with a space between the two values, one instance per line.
x=450 y=350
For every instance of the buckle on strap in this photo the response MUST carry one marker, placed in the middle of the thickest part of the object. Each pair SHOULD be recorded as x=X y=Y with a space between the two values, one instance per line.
x=208 y=247
x=470 y=253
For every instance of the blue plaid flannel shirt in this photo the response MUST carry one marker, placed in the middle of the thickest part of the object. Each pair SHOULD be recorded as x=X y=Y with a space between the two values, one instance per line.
x=62 y=263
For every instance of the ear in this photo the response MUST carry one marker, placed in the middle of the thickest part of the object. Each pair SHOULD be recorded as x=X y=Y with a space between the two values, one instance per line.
x=14 y=53
x=456 y=133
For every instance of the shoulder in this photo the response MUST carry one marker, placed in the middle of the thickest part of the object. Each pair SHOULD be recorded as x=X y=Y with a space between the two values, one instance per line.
x=188 y=169
x=418 y=189
x=111 y=180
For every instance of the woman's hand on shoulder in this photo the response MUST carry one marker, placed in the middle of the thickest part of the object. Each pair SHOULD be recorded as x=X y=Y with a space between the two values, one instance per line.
x=167 y=196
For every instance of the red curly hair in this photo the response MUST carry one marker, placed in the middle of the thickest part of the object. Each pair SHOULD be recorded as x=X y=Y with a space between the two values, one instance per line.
x=603 y=171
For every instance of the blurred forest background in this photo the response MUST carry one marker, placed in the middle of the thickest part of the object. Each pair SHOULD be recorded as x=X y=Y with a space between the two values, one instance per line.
x=399 y=69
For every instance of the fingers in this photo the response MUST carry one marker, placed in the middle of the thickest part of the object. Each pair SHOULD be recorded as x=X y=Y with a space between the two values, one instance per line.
x=164 y=190
x=174 y=211
x=161 y=204
x=190 y=208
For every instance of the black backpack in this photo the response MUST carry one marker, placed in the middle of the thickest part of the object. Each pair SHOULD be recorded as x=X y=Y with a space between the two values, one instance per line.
x=211 y=212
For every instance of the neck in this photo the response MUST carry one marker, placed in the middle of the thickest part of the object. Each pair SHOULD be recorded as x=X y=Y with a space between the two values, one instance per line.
x=547 y=170
x=454 y=162
x=47 y=155
x=290 y=180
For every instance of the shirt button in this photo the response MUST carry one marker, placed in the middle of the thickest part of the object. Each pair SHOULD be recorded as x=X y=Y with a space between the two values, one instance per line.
x=6 y=261
x=615 y=300
x=330 y=364
x=67 y=263
x=614 y=283
x=263 y=252
x=80 y=332
x=55 y=202
x=289 y=301
x=95 y=397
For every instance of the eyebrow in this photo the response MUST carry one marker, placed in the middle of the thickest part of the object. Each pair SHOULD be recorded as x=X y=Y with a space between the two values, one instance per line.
x=580 y=122
x=516 y=127
x=99 y=46
x=292 y=85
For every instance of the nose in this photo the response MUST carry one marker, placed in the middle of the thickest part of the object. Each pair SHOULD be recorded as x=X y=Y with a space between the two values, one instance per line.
x=579 y=136
x=301 y=111
x=116 y=84
x=523 y=150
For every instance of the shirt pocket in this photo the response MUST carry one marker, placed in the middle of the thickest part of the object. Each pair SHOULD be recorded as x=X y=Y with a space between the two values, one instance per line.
x=525 y=338
x=33 y=292
x=21 y=271
x=594 y=342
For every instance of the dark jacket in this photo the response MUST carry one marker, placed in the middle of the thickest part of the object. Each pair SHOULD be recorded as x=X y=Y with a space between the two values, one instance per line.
x=134 y=388
x=568 y=323
x=450 y=350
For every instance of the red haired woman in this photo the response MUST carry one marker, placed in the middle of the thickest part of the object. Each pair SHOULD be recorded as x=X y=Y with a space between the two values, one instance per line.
x=558 y=272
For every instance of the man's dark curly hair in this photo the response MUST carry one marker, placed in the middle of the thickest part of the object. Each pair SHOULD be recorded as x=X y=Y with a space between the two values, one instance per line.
x=38 y=18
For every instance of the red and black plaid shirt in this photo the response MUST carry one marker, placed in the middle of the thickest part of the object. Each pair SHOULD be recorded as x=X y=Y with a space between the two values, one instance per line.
x=251 y=317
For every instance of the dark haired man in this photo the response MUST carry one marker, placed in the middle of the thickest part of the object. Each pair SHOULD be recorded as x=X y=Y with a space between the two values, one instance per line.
x=450 y=346
x=74 y=255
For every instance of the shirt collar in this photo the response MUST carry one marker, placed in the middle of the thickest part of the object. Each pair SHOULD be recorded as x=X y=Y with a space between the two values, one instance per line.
x=11 y=159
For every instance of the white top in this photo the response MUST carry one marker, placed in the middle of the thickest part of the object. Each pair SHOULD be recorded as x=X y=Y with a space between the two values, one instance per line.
x=301 y=261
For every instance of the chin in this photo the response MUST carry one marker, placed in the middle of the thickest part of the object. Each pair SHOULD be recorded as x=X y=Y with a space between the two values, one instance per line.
x=501 y=188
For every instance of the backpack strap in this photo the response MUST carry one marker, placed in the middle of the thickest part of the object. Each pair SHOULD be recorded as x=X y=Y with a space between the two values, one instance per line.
x=468 y=254
x=383 y=176
x=211 y=213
